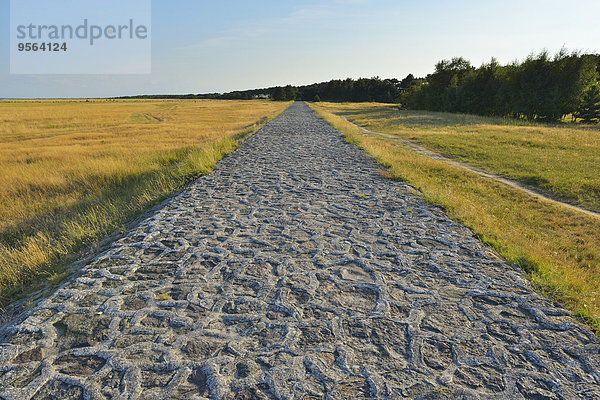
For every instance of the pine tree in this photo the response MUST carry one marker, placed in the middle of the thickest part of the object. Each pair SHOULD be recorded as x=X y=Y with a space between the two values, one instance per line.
x=589 y=108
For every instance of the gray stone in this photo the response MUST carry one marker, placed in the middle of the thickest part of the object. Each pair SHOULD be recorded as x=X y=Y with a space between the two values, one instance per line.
x=294 y=271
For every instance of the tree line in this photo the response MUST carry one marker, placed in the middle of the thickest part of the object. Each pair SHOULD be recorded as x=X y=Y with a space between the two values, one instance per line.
x=541 y=87
x=352 y=90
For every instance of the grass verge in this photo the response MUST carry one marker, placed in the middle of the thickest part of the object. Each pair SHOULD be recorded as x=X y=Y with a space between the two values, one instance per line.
x=73 y=172
x=557 y=248
x=560 y=160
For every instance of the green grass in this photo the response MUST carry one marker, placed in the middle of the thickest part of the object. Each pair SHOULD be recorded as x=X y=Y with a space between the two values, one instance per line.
x=72 y=172
x=560 y=160
x=557 y=248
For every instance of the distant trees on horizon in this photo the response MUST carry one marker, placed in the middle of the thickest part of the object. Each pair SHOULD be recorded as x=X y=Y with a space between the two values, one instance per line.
x=542 y=87
x=363 y=89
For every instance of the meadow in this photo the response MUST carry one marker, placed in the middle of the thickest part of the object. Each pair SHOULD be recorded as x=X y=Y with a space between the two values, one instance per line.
x=560 y=160
x=73 y=172
x=557 y=248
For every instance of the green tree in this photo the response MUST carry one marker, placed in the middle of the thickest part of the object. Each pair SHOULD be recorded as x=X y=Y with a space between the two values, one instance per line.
x=279 y=94
x=407 y=82
x=589 y=108
x=291 y=92
x=444 y=82
x=540 y=87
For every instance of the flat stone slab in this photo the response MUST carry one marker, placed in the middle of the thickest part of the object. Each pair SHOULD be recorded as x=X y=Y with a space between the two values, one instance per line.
x=295 y=271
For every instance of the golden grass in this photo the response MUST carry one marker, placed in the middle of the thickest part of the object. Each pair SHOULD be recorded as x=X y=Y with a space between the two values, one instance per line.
x=556 y=247
x=74 y=171
x=560 y=160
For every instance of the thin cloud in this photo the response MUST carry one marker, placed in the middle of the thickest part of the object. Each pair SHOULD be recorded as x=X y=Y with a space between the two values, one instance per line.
x=269 y=27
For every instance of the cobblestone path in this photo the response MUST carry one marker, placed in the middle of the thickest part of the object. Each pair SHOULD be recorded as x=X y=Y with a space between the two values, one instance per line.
x=295 y=271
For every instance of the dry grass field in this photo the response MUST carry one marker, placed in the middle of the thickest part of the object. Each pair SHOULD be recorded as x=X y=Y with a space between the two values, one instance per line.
x=559 y=249
x=72 y=172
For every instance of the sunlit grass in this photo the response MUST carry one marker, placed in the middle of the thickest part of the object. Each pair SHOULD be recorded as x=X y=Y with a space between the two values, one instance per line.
x=560 y=160
x=73 y=171
x=558 y=248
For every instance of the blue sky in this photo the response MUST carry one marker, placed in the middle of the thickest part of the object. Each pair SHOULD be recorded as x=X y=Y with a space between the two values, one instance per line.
x=204 y=46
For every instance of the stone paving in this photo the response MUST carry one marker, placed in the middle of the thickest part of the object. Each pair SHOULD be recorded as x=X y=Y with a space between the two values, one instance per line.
x=295 y=271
